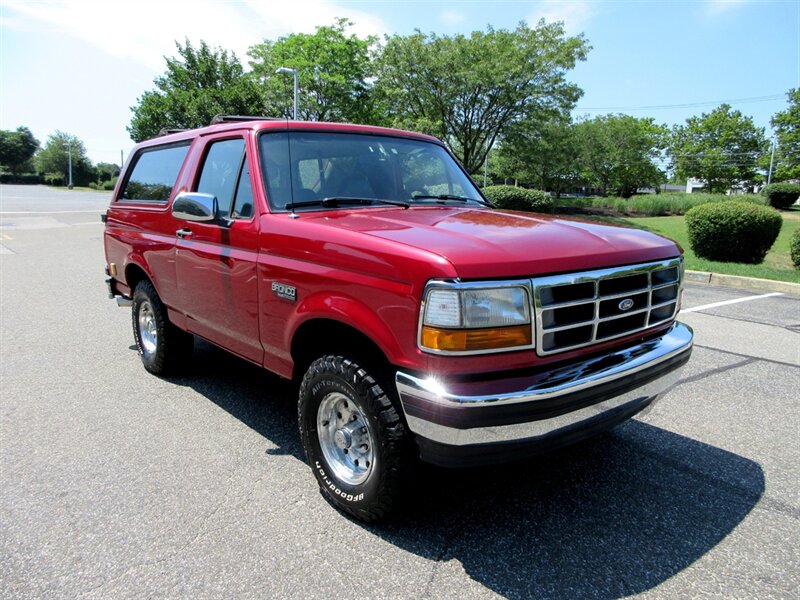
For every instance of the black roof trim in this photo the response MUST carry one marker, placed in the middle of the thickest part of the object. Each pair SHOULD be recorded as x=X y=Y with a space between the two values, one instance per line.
x=167 y=131
x=234 y=118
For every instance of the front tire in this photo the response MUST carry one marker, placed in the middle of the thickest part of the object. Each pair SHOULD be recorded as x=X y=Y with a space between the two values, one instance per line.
x=354 y=438
x=162 y=346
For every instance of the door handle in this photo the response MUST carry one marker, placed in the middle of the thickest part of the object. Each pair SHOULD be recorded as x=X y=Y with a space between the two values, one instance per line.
x=184 y=233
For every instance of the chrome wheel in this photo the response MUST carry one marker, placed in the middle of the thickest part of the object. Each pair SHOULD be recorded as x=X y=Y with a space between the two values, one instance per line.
x=345 y=438
x=148 y=330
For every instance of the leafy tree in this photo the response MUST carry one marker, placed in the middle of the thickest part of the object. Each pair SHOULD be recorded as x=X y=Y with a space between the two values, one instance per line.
x=106 y=171
x=197 y=85
x=617 y=152
x=53 y=158
x=787 y=132
x=17 y=149
x=333 y=70
x=469 y=90
x=542 y=153
x=720 y=148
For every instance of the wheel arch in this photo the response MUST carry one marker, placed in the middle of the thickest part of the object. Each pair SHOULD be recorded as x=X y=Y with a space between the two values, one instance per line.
x=319 y=336
x=134 y=273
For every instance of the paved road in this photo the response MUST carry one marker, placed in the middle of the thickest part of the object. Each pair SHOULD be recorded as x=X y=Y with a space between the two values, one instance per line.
x=117 y=484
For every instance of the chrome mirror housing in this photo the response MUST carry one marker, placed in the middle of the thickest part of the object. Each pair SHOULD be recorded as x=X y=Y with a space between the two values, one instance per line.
x=194 y=206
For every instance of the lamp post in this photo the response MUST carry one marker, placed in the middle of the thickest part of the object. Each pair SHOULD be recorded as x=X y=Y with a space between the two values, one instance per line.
x=69 y=163
x=286 y=71
x=771 y=162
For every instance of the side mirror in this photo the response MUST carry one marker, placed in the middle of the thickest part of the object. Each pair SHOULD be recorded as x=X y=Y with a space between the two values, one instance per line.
x=194 y=206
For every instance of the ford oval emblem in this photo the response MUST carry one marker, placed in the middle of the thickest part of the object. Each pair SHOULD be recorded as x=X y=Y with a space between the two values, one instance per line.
x=626 y=304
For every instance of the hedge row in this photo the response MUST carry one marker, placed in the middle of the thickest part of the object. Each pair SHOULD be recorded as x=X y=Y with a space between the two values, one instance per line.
x=656 y=205
x=516 y=198
x=24 y=178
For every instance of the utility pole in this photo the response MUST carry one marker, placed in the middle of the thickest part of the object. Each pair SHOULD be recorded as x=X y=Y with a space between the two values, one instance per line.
x=121 y=160
x=771 y=162
x=69 y=162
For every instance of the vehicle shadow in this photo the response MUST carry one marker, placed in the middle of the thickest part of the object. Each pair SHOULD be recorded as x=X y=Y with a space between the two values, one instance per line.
x=615 y=515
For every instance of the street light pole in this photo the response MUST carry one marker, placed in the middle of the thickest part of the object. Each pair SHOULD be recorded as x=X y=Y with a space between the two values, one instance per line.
x=69 y=162
x=294 y=72
x=771 y=162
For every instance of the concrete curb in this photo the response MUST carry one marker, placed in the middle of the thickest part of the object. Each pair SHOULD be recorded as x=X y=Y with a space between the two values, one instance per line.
x=747 y=283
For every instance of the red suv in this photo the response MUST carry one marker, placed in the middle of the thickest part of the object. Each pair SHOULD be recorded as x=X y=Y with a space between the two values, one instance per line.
x=419 y=321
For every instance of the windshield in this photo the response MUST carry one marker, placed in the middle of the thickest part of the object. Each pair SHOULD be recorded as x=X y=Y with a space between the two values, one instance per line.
x=313 y=170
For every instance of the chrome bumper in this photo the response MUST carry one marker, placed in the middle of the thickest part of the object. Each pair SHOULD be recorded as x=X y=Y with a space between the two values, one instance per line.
x=547 y=404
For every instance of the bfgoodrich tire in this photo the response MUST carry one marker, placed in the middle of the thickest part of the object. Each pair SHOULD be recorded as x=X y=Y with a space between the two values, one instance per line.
x=162 y=346
x=354 y=438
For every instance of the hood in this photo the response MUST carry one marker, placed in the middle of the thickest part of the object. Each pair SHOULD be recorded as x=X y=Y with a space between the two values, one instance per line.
x=482 y=243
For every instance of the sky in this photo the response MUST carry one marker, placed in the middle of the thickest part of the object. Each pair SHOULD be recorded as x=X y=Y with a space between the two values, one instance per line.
x=80 y=66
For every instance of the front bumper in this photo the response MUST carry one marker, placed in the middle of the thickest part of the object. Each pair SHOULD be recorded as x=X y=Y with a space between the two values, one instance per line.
x=488 y=420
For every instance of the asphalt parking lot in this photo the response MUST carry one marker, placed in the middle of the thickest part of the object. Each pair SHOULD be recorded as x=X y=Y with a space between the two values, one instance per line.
x=118 y=484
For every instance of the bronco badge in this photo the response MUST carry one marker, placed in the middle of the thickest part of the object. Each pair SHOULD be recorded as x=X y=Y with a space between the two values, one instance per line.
x=288 y=292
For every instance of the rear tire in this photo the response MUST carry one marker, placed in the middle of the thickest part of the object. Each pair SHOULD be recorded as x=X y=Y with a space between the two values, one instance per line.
x=354 y=438
x=162 y=346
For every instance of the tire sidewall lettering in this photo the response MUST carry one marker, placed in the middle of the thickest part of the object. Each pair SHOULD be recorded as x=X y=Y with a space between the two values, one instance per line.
x=325 y=385
x=331 y=485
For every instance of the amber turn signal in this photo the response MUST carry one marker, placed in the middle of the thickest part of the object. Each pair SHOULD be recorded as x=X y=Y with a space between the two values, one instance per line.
x=465 y=340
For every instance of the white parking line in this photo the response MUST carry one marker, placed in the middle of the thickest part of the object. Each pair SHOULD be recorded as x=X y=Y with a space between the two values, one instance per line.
x=49 y=212
x=726 y=302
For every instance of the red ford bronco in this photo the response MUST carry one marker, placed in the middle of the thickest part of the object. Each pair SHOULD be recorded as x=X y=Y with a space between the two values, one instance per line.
x=419 y=321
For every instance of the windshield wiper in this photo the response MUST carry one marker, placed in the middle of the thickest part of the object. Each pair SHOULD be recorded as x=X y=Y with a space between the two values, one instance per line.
x=333 y=201
x=445 y=197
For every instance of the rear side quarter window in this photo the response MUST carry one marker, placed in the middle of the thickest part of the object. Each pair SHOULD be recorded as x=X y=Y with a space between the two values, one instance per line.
x=154 y=173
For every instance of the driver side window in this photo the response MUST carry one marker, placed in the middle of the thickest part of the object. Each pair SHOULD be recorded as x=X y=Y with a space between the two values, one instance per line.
x=220 y=172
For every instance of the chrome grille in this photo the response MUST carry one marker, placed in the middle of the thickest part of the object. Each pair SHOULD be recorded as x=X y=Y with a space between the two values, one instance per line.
x=581 y=309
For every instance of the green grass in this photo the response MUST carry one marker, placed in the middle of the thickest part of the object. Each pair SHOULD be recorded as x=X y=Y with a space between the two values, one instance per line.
x=673 y=203
x=777 y=264
x=77 y=188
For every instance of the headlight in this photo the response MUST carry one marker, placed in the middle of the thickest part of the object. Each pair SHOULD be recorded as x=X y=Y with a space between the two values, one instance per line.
x=476 y=318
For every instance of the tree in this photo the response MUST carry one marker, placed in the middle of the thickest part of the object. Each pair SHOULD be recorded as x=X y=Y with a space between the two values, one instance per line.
x=542 y=153
x=106 y=171
x=54 y=158
x=17 y=149
x=333 y=69
x=720 y=148
x=787 y=133
x=197 y=85
x=617 y=152
x=469 y=90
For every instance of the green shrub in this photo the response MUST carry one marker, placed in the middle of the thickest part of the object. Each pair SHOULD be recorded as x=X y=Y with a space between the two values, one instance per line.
x=22 y=178
x=794 y=248
x=29 y=179
x=733 y=231
x=516 y=198
x=54 y=179
x=95 y=186
x=109 y=185
x=782 y=195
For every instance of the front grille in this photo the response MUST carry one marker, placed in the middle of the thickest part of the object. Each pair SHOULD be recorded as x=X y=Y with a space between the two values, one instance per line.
x=586 y=308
